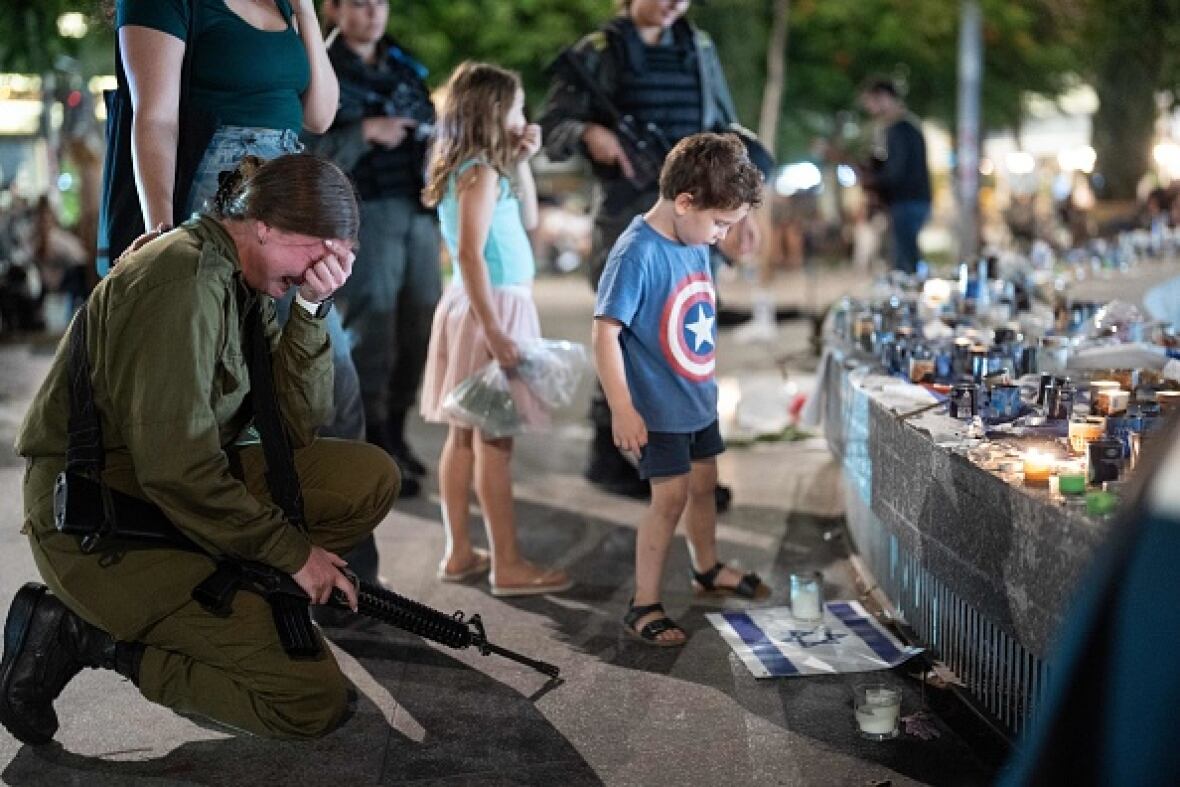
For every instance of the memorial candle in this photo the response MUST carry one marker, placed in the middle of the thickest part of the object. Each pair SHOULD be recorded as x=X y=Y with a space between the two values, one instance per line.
x=1037 y=468
x=878 y=708
x=807 y=597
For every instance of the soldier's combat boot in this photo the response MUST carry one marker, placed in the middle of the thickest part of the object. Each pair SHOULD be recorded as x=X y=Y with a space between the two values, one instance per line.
x=45 y=646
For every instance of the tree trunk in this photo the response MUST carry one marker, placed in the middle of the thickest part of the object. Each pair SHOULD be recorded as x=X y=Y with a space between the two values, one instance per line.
x=776 y=59
x=1124 y=124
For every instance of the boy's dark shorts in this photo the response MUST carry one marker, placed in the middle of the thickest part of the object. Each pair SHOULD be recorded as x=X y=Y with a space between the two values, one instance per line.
x=672 y=453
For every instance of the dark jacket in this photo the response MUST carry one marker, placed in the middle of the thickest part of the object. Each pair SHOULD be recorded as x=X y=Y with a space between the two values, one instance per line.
x=903 y=175
x=393 y=87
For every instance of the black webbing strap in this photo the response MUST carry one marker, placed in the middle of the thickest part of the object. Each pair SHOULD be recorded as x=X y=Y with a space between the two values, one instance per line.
x=281 y=476
x=84 y=451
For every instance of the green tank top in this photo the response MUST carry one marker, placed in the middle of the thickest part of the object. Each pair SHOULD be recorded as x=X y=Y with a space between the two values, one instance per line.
x=242 y=75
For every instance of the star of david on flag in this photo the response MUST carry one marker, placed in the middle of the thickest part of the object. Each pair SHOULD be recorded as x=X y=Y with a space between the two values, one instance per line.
x=771 y=643
x=688 y=328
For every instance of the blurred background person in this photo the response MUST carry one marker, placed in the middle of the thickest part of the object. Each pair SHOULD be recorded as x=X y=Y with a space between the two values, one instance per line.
x=380 y=136
x=898 y=172
x=61 y=259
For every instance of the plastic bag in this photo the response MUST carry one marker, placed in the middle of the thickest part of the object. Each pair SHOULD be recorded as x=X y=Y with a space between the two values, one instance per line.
x=552 y=369
x=505 y=404
x=484 y=401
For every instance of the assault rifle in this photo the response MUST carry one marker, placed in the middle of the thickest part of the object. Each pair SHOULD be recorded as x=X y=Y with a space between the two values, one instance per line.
x=358 y=103
x=103 y=517
x=645 y=145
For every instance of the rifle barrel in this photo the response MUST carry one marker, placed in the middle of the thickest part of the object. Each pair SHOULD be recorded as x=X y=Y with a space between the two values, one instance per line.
x=543 y=667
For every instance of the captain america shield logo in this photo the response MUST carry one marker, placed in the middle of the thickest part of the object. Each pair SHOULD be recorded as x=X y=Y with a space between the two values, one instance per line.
x=687 y=328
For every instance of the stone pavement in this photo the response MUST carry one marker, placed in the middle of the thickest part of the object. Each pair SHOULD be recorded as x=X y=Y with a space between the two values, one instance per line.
x=625 y=714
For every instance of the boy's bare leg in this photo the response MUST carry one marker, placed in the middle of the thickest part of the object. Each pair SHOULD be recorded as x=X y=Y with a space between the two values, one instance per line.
x=668 y=497
x=701 y=522
x=455 y=470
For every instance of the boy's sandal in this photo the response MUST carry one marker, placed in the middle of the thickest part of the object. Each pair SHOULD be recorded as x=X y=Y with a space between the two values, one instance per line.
x=750 y=586
x=650 y=633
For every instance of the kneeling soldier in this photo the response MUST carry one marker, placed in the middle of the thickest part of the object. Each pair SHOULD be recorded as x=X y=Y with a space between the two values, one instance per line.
x=166 y=338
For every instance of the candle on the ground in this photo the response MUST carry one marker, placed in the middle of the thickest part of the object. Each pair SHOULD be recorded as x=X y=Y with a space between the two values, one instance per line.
x=877 y=710
x=807 y=597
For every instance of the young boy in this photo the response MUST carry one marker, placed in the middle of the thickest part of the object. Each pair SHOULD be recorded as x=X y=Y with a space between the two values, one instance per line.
x=654 y=344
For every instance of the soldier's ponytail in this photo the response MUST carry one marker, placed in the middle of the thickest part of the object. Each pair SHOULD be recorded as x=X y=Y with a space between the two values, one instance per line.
x=295 y=193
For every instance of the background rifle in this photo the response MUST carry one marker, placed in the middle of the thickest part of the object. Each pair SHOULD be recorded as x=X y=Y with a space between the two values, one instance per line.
x=358 y=103
x=646 y=145
x=97 y=514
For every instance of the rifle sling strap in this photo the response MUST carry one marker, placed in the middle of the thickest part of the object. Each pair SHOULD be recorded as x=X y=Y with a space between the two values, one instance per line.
x=84 y=446
x=84 y=451
x=281 y=475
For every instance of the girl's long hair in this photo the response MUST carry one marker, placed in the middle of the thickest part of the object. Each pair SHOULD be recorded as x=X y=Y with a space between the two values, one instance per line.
x=471 y=125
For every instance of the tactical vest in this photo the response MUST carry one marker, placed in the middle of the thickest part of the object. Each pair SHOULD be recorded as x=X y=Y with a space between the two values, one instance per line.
x=385 y=172
x=659 y=84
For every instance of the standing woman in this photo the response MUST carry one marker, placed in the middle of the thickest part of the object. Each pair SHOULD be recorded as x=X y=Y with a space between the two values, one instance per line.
x=260 y=68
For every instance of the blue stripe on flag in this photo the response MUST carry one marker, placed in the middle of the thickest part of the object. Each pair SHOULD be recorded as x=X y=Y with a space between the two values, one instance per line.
x=771 y=657
x=882 y=645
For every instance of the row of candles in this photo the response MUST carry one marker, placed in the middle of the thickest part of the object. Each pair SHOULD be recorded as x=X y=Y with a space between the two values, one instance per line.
x=1104 y=442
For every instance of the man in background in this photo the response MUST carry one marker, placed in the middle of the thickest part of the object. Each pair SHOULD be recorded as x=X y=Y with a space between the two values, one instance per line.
x=898 y=173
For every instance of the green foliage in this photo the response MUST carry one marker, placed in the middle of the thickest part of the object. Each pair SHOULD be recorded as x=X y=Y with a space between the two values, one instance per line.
x=29 y=42
x=524 y=35
x=834 y=45
x=1131 y=55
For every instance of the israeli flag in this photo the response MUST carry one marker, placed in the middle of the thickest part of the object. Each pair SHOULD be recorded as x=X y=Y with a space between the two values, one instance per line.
x=772 y=644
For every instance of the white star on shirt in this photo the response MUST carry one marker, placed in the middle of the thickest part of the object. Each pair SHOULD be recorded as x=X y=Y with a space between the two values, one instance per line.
x=702 y=329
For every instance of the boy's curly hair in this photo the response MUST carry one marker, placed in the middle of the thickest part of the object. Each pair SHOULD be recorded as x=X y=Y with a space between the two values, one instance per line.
x=715 y=170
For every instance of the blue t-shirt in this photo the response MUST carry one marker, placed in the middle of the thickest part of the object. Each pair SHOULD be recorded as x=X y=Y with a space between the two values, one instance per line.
x=507 y=251
x=662 y=293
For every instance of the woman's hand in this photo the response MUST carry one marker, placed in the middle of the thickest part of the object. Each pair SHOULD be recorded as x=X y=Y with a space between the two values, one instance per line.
x=327 y=274
x=143 y=240
x=321 y=575
x=528 y=143
x=503 y=349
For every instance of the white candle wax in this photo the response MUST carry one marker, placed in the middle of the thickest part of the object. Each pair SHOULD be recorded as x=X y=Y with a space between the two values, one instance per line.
x=878 y=720
x=805 y=604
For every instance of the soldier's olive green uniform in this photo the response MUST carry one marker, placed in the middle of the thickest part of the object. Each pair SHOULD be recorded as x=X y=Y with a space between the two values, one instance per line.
x=164 y=333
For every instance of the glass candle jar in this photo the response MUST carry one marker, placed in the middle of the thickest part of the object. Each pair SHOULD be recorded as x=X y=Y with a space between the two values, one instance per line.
x=878 y=711
x=807 y=603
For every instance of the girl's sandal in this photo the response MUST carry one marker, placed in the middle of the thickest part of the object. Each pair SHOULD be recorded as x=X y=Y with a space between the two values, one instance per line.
x=650 y=633
x=750 y=586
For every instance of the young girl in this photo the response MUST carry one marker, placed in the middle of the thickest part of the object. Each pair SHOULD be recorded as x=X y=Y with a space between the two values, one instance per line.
x=480 y=179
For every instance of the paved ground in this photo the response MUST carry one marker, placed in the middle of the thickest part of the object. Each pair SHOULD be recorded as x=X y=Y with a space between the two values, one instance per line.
x=625 y=714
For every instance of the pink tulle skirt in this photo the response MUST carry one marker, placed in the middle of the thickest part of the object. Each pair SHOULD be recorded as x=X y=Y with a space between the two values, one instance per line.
x=459 y=349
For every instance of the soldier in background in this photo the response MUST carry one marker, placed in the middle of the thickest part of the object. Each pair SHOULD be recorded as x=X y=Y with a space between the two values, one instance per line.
x=664 y=74
x=380 y=136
